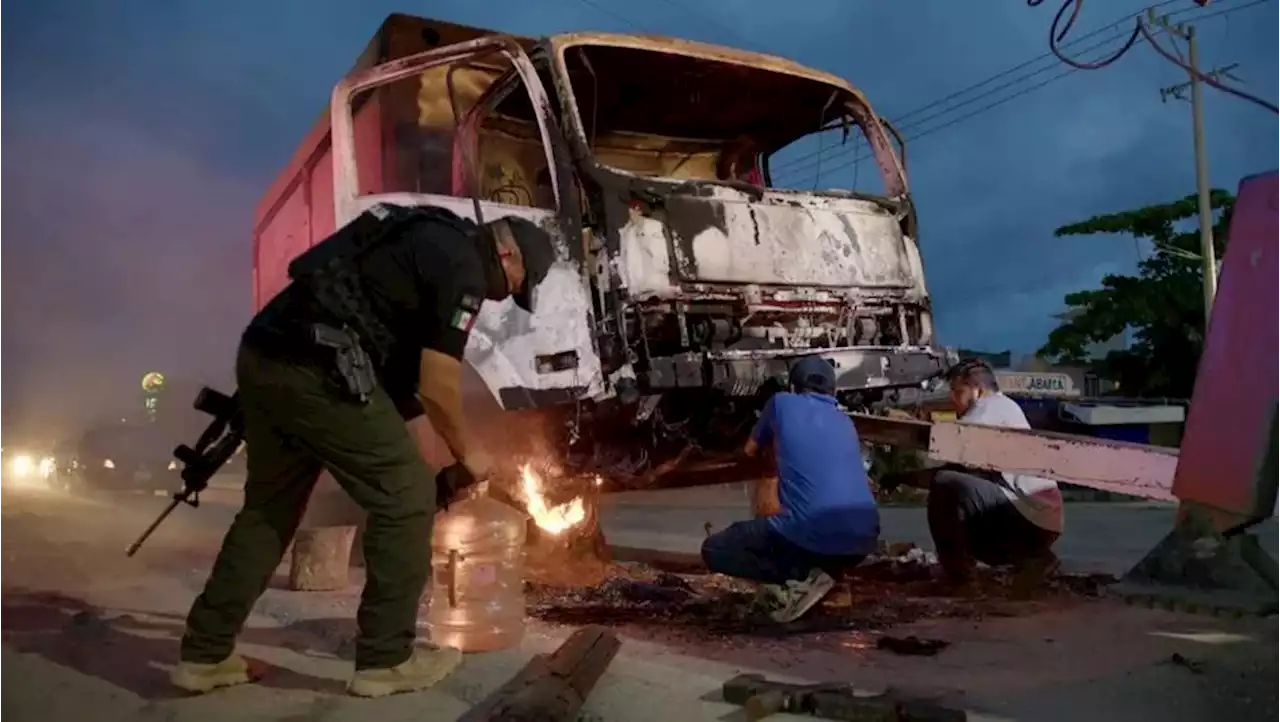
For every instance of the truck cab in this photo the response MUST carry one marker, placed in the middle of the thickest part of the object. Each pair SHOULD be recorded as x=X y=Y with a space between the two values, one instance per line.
x=687 y=280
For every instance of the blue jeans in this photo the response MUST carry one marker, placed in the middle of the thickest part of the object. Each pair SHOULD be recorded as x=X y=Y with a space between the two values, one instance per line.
x=753 y=550
x=970 y=518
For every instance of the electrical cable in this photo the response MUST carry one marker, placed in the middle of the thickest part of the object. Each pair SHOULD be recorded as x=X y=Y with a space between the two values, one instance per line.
x=954 y=121
x=1141 y=29
x=1055 y=37
x=794 y=171
x=792 y=162
x=1202 y=77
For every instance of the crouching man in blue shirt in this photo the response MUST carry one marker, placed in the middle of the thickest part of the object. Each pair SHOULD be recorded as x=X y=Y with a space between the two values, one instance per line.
x=828 y=520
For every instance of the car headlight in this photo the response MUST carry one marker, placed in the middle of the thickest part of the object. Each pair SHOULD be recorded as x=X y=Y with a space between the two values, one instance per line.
x=173 y=466
x=108 y=464
x=22 y=465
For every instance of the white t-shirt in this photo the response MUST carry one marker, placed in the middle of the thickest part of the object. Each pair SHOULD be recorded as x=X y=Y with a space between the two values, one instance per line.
x=1039 y=500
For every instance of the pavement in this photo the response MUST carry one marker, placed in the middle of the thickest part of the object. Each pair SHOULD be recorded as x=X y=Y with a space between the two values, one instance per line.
x=1108 y=537
x=89 y=634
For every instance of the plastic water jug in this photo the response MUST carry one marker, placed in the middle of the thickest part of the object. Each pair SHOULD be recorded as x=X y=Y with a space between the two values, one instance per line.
x=477 y=579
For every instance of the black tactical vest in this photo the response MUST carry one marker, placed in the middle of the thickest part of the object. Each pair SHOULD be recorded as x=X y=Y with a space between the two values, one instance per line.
x=330 y=273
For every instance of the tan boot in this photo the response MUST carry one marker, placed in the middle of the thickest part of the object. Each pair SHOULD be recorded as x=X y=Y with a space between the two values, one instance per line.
x=200 y=678
x=424 y=669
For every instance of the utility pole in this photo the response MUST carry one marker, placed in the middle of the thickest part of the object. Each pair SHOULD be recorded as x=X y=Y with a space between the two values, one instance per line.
x=1208 y=258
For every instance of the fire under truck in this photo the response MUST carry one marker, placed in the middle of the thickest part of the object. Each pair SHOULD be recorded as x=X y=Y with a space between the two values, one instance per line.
x=683 y=291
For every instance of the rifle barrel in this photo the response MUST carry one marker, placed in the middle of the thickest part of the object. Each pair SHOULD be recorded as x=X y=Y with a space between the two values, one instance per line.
x=134 y=547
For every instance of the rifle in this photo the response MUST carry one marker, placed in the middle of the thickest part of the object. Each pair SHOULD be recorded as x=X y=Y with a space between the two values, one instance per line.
x=214 y=447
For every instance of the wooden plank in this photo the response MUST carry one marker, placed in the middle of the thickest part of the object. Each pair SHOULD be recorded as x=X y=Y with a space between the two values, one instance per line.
x=552 y=688
x=1116 y=466
x=905 y=433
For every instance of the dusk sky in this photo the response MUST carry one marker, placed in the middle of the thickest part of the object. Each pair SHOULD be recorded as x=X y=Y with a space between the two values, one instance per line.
x=138 y=136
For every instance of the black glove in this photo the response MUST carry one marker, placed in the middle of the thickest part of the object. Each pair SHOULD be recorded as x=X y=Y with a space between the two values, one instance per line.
x=451 y=480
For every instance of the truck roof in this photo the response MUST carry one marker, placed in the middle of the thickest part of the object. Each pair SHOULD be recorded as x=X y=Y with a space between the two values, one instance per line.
x=703 y=51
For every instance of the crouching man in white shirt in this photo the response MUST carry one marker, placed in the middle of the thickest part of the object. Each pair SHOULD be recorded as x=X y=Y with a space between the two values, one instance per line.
x=992 y=517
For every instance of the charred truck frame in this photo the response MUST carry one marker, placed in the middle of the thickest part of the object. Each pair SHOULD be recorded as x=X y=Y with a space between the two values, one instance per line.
x=682 y=291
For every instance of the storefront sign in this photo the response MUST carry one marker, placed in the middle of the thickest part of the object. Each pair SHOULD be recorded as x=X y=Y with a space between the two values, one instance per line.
x=1036 y=384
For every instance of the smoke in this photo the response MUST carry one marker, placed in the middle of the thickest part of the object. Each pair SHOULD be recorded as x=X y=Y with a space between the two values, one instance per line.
x=122 y=256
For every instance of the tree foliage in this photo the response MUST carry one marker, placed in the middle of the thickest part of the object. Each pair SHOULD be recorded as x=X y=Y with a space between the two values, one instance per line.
x=1162 y=306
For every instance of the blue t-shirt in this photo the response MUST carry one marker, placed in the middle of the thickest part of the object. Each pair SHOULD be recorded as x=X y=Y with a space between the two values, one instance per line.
x=827 y=505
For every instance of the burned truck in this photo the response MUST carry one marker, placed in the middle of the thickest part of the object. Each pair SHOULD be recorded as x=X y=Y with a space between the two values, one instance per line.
x=687 y=279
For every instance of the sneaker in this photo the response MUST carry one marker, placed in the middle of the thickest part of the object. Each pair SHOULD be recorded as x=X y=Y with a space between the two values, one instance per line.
x=426 y=667
x=770 y=597
x=201 y=678
x=803 y=596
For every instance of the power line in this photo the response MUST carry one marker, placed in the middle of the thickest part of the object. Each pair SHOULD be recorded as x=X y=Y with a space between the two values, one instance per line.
x=1115 y=23
x=1209 y=79
x=792 y=168
x=1141 y=29
x=791 y=163
x=795 y=172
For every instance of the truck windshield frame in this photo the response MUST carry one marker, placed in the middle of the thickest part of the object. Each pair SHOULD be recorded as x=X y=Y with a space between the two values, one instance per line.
x=346 y=194
x=668 y=109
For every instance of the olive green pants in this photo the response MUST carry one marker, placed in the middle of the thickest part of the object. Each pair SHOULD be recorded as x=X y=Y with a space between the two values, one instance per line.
x=296 y=424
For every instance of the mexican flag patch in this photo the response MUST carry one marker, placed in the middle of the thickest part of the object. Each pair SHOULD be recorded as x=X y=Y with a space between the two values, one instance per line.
x=463 y=319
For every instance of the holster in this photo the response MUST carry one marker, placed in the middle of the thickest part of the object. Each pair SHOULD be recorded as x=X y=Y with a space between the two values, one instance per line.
x=353 y=365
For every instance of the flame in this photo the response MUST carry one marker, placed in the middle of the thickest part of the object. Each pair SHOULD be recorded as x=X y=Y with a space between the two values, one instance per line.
x=554 y=520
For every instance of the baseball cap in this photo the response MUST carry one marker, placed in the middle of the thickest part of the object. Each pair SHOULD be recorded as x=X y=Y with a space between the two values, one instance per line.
x=538 y=255
x=813 y=373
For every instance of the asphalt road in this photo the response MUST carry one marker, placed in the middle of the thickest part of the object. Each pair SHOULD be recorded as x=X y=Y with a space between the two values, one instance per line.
x=1100 y=537
x=89 y=634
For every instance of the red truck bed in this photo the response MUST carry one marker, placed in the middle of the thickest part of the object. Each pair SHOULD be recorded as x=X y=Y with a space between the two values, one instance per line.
x=297 y=209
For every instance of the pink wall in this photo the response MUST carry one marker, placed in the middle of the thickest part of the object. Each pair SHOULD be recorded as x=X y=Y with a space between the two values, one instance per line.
x=1230 y=424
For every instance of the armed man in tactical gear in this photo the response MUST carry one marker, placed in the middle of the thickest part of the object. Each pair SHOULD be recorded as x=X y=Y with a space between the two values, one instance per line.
x=369 y=333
